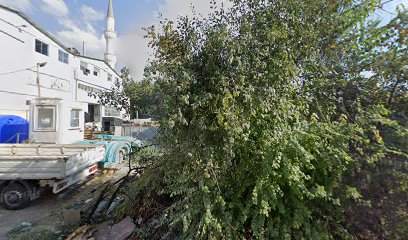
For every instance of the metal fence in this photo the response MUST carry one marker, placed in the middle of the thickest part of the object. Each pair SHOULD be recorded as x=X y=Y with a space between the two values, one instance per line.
x=143 y=133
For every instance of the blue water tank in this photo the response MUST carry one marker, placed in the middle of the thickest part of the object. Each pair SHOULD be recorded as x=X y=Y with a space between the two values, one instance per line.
x=13 y=129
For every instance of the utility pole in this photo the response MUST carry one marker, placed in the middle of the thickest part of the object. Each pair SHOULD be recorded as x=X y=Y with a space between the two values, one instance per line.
x=38 y=78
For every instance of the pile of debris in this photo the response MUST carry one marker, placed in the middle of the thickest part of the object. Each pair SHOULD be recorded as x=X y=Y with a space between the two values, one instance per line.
x=94 y=215
x=99 y=210
x=105 y=231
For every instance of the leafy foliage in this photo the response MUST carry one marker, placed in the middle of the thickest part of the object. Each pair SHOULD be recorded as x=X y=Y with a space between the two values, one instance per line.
x=265 y=110
x=138 y=99
x=144 y=98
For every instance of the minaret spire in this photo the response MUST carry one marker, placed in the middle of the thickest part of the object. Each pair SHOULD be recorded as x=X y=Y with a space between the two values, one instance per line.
x=110 y=10
x=110 y=36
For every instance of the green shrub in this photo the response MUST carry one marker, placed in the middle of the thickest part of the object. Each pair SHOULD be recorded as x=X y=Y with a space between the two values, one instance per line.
x=260 y=123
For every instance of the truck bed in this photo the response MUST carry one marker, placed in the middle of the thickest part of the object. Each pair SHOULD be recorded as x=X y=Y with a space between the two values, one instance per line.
x=46 y=161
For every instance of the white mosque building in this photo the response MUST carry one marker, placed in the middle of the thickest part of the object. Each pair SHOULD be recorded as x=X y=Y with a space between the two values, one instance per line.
x=33 y=65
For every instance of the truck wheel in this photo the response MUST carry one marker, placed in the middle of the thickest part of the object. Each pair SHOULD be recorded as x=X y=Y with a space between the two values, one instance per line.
x=15 y=196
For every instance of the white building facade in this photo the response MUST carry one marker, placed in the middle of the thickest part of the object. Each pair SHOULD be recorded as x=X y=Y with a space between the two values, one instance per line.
x=28 y=54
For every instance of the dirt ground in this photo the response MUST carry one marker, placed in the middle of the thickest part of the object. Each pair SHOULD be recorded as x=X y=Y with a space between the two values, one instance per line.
x=42 y=218
x=39 y=212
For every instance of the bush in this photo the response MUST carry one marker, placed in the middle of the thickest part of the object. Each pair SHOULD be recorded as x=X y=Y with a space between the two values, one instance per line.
x=255 y=136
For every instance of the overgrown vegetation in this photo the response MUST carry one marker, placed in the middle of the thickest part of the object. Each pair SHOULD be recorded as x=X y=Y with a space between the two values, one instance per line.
x=139 y=99
x=144 y=99
x=279 y=120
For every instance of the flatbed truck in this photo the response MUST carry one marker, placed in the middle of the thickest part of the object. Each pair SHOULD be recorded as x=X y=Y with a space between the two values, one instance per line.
x=27 y=168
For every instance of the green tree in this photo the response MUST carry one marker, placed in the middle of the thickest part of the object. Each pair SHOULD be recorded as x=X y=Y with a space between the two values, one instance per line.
x=144 y=99
x=389 y=61
x=262 y=118
x=130 y=96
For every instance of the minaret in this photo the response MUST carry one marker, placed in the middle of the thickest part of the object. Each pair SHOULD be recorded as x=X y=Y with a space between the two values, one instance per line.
x=110 y=36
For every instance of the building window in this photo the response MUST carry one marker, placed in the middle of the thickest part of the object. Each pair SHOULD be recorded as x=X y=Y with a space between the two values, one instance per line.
x=63 y=56
x=84 y=68
x=45 y=118
x=75 y=117
x=96 y=71
x=88 y=88
x=41 y=47
x=109 y=77
x=111 y=112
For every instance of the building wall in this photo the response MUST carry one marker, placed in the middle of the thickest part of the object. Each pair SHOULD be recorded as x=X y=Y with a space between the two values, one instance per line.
x=105 y=79
x=65 y=81
x=18 y=61
x=100 y=81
